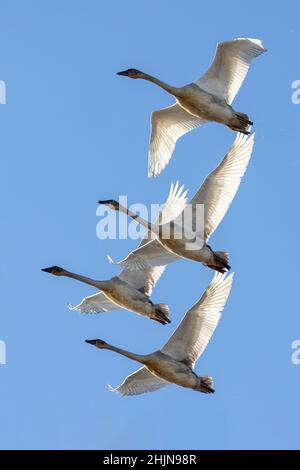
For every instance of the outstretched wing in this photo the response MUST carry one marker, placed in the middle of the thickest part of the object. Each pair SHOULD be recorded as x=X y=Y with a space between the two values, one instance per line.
x=220 y=187
x=96 y=303
x=150 y=256
x=195 y=330
x=147 y=256
x=230 y=66
x=167 y=125
x=144 y=279
x=174 y=205
x=139 y=382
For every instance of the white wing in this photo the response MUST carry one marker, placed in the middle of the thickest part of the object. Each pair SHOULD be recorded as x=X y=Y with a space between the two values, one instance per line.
x=139 y=382
x=174 y=205
x=96 y=303
x=195 y=330
x=230 y=66
x=143 y=280
x=167 y=125
x=220 y=187
x=151 y=253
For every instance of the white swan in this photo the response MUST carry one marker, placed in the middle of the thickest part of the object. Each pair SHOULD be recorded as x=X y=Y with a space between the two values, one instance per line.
x=207 y=99
x=175 y=362
x=180 y=238
x=130 y=290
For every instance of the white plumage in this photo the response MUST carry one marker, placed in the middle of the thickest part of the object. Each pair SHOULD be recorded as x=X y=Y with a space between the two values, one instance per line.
x=167 y=126
x=207 y=99
x=230 y=67
x=175 y=362
x=216 y=195
x=131 y=289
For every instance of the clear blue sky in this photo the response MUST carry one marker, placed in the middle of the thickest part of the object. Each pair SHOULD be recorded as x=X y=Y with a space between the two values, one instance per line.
x=72 y=132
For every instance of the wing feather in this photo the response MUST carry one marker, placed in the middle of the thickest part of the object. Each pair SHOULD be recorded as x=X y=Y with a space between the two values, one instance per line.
x=167 y=126
x=96 y=303
x=230 y=66
x=150 y=256
x=195 y=330
x=220 y=186
x=139 y=382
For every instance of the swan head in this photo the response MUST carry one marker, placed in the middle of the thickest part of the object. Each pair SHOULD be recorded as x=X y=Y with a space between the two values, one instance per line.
x=97 y=342
x=111 y=203
x=131 y=73
x=55 y=270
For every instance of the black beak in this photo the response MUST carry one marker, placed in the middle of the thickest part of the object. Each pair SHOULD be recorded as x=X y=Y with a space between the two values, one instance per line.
x=93 y=342
x=110 y=203
x=124 y=73
x=47 y=270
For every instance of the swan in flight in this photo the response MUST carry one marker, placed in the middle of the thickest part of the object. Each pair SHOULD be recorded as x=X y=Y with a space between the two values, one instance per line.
x=181 y=238
x=130 y=290
x=175 y=362
x=207 y=99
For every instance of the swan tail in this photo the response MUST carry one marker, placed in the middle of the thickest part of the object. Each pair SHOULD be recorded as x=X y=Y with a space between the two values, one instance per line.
x=206 y=384
x=219 y=261
x=241 y=123
x=161 y=313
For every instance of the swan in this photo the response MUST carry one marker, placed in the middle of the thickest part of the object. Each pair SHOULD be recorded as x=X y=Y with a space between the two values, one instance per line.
x=207 y=99
x=130 y=290
x=172 y=241
x=175 y=362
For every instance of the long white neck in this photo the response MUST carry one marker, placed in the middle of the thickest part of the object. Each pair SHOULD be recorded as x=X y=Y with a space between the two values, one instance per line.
x=168 y=88
x=86 y=280
x=135 y=357
x=152 y=227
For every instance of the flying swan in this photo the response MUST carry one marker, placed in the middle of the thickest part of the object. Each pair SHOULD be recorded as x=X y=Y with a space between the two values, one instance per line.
x=130 y=290
x=175 y=362
x=207 y=99
x=180 y=238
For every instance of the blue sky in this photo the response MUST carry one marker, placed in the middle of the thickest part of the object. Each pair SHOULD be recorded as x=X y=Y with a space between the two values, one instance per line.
x=72 y=132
